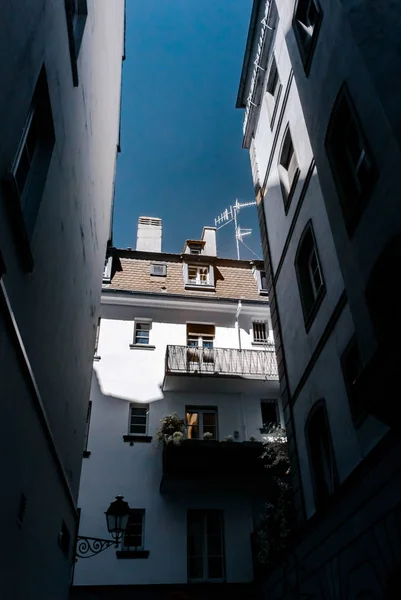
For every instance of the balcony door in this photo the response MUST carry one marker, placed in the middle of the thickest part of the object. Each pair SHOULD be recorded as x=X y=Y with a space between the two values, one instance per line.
x=205 y=547
x=200 y=340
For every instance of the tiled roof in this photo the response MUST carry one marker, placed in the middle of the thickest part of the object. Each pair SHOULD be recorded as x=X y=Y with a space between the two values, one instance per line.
x=233 y=279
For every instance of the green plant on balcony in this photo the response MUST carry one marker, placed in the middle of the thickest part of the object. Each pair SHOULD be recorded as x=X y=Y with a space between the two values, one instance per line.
x=172 y=429
x=273 y=535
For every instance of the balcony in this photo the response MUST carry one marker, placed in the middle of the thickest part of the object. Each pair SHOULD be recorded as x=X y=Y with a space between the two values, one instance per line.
x=216 y=366
x=212 y=465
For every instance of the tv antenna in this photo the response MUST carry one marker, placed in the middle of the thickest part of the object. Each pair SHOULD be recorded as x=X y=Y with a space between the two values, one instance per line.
x=230 y=215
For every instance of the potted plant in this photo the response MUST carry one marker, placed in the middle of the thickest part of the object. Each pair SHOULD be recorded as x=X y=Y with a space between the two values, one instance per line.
x=171 y=425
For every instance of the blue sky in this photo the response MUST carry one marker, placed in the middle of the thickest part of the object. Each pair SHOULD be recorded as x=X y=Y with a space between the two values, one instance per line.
x=181 y=156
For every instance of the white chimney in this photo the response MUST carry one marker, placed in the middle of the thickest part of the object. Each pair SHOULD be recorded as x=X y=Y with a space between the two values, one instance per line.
x=149 y=236
x=209 y=236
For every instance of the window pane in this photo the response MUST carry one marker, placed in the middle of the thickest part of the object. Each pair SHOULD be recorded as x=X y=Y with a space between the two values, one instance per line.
x=195 y=568
x=215 y=568
x=22 y=171
x=195 y=537
x=138 y=429
x=193 y=426
x=214 y=523
x=269 y=413
x=214 y=545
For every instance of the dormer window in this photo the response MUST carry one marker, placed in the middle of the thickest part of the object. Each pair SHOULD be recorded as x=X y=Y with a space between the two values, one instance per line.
x=194 y=249
x=262 y=282
x=198 y=276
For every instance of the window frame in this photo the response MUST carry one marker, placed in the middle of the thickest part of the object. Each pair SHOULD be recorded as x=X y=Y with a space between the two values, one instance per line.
x=357 y=413
x=309 y=313
x=306 y=53
x=205 y=555
x=76 y=22
x=145 y=407
x=140 y=322
x=24 y=202
x=107 y=271
x=273 y=99
x=287 y=185
x=261 y=290
x=123 y=546
x=210 y=285
x=201 y=410
x=352 y=205
x=260 y=342
x=154 y=266
x=266 y=426
x=320 y=501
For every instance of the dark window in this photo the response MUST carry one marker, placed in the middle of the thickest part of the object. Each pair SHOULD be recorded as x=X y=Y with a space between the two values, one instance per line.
x=142 y=330
x=64 y=539
x=309 y=275
x=200 y=421
x=273 y=90
x=28 y=175
x=321 y=455
x=77 y=12
x=205 y=546
x=260 y=332
x=97 y=336
x=288 y=169
x=270 y=416
x=87 y=424
x=306 y=22
x=21 y=509
x=352 y=366
x=351 y=162
x=262 y=281
x=134 y=533
x=139 y=419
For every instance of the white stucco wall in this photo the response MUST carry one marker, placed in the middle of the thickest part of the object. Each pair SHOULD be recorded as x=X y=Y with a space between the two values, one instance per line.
x=114 y=467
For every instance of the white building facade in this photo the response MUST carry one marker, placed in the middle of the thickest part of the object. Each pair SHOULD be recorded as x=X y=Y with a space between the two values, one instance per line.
x=314 y=125
x=59 y=113
x=189 y=335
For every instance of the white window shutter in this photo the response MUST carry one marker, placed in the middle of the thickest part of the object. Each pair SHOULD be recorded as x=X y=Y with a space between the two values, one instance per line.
x=185 y=268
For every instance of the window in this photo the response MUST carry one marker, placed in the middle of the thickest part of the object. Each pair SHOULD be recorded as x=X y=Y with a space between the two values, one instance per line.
x=64 y=539
x=200 y=421
x=27 y=178
x=195 y=248
x=134 y=534
x=198 y=275
x=96 y=356
x=138 y=424
x=288 y=169
x=158 y=270
x=77 y=12
x=273 y=91
x=352 y=366
x=309 y=275
x=321 y=455
x=350 y=159
x=270 y=415
x=260 y=332
x=141 y=333
x=107 y=269
x=205 y=546
x=306 y=23
x=87 y=425
x=200 y=340
x=262 y=282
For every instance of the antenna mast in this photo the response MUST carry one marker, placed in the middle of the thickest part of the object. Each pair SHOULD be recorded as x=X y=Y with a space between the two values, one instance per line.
x=230 y=215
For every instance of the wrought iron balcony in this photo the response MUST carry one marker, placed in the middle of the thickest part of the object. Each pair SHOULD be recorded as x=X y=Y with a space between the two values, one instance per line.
x=222 y=361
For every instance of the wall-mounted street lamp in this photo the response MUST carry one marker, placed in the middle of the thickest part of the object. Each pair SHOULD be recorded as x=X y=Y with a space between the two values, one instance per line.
x=117 y=520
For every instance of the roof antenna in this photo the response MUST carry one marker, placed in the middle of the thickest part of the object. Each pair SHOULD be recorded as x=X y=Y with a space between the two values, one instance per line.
x=230 y=215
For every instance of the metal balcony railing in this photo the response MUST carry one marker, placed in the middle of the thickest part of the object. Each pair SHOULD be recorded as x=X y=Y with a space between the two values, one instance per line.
x=222 y=361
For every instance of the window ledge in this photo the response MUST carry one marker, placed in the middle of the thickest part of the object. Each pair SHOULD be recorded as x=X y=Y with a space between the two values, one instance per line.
x=266 y=343
x=96 y=357
x=86 y=454
x=142 y=347
x=199 y=286
x=145 y=439
x=132 y=553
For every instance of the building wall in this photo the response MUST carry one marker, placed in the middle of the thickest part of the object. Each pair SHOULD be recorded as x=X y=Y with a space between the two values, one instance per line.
x=55 y=305
x=124 y=375
x=352 y=38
